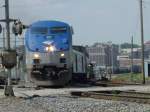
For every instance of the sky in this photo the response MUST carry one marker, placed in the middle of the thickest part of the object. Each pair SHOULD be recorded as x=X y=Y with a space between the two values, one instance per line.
x=92 y=20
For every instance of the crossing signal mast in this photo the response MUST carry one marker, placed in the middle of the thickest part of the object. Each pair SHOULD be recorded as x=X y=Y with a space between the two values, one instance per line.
x=9 y=56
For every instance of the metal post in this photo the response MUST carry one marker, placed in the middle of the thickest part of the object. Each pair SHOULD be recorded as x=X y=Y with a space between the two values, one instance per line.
x=7 y=34
x=16 y=67
x=7 y=23
x=132 y=58
x=15 y=42
x=142 y=40
x=3 y=38
x=132 y=54
x=112 y=59
x=8 y=88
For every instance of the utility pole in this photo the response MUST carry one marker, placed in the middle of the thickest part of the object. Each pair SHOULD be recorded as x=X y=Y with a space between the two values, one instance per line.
x=8 y=88
x=7 y=23
x=142 y=40
x=8 y=56
x=112 y=58
x=132 y=58
x=132 y=54
x=3 y=38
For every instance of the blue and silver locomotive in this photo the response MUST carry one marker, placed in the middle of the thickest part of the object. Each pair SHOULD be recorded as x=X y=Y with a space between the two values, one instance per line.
x=48 y=53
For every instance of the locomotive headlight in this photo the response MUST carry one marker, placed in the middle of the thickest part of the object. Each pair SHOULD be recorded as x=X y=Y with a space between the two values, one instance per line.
x=36 y=56
x=47 y=48
x=62 y=54
x=50 y=48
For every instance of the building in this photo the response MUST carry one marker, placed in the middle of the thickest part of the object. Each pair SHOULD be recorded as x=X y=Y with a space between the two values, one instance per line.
x=147 y=68
x=103 y=55
x=147 y=58
x=147 y=49
x=125 y=64
x=125 y=60
x=127 y=52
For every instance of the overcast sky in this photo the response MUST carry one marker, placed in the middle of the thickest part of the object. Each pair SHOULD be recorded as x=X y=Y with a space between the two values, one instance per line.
x=92 y=20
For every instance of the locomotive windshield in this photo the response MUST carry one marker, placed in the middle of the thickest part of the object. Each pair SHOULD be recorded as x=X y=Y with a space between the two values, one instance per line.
x=58 y=29
x=42 y=34
x=39 y=30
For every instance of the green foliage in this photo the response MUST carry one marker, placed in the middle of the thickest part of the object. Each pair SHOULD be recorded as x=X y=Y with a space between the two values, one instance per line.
x=128 y=45
x=115 y=92
x=129 y=77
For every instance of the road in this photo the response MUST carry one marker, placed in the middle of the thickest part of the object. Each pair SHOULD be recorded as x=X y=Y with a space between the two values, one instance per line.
x=26 y=92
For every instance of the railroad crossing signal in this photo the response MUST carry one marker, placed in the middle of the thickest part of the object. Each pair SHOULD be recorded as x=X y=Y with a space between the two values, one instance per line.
x=17 y=28
x=9 y=58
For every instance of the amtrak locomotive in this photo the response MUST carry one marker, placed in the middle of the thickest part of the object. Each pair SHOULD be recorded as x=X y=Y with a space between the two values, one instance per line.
x=49 y=53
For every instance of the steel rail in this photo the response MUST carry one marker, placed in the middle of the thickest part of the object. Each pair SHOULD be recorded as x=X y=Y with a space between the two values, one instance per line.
x=138 y=97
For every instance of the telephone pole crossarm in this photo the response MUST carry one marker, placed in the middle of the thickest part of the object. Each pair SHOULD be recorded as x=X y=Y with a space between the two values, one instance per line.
x=10 y=20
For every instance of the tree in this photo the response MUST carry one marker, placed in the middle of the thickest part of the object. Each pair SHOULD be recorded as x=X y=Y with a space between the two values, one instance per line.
x=128 y=45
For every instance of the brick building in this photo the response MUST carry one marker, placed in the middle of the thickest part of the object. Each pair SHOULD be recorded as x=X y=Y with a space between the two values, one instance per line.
x=103 y=54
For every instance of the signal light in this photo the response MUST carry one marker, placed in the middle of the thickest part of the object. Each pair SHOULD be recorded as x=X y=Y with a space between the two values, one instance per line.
x=18 y=27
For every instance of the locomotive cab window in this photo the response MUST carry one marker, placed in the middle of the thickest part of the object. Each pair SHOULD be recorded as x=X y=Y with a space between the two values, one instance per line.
x=58 y=29
x=39 y=30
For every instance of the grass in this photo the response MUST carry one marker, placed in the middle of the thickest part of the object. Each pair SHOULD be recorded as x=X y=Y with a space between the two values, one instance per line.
x=129 y=77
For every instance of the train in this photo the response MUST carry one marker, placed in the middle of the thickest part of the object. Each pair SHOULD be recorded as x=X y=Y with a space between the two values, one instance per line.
x=51 y=59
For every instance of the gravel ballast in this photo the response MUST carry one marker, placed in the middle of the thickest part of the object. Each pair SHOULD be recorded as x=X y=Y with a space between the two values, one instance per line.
x=68 y=104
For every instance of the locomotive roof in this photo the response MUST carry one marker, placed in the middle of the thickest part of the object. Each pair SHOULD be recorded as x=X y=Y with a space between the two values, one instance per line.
x=49 y=23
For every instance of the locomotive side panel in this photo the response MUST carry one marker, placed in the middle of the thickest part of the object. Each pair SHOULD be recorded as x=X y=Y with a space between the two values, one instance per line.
x=78 y=62
x=79 y=66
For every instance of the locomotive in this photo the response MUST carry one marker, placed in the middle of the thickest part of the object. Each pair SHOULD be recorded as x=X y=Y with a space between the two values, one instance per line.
x=50 y=57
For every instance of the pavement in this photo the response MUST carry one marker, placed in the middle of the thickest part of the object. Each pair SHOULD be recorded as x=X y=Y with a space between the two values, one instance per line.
x=26 y=92
x=29 y=92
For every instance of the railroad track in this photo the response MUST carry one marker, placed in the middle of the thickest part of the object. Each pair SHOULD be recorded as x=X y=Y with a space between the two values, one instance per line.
x=113 y=84
x=129 y=96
